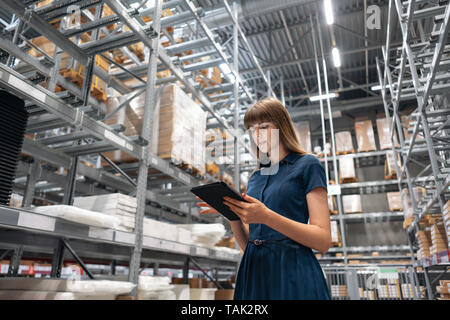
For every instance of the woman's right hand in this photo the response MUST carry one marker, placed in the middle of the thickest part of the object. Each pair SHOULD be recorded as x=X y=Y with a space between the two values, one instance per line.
x=204 y=204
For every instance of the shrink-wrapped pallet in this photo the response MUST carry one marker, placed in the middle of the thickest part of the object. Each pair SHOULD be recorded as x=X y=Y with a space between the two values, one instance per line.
x=352 y=203
x=177 y=127
x=390 y=171
x=347 y=172
x=365 y=136
x=304 y=135
x=384 y=135
x=394 y=201
x=344 y=143
x=335 y=234
x=438 y=238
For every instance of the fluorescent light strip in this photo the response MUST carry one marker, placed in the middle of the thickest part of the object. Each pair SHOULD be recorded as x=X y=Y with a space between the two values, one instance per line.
x=336 y=57
x=324 y=96
x=328 y=11
x=378 y=87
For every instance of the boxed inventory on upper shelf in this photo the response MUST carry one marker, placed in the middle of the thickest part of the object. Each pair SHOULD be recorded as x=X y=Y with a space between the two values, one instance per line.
x=365 y=136
x=178 y=127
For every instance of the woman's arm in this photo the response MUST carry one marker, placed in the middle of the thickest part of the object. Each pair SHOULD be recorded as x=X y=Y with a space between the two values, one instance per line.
x=241 y=233
x=315 y=235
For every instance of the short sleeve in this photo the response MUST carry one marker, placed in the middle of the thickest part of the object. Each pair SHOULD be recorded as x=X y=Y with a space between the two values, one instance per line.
x=313 y=175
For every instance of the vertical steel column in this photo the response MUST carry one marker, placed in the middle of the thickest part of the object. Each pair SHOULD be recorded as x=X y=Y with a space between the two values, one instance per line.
x=58 y=257
x=14 y=263
x=428 y=283
x=333 y=145
x=269 y=81
x=237 y=106
x=34 y=173
x=19 y=27
x=113 y=267
x=149 y=105
x=71 y=182
x=283 y=101
x=186 y=270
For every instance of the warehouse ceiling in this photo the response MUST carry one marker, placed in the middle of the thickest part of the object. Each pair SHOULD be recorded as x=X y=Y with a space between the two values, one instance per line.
x=265 y=22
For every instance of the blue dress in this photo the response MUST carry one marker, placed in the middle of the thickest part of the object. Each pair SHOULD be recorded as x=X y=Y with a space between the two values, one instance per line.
x=274 y=266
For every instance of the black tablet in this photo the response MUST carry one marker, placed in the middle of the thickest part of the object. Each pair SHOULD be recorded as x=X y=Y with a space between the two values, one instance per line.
x=213 y=194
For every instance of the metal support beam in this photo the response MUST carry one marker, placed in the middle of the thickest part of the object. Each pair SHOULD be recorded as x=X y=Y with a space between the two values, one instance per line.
x=58 y=258
x=14 y=263
x=69 y=190
x=77 y=258
x=33 y=176
x=149 y=105
x=237 y=106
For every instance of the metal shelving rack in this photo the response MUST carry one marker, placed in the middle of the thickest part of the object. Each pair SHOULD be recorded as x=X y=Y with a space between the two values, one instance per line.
x=420 y=68
x=361 y=159
x=75 y=108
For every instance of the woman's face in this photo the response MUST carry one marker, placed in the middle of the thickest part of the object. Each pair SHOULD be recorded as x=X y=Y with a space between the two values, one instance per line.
x=263 y=134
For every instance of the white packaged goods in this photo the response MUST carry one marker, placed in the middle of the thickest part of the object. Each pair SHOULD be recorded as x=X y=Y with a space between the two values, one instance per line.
x=155 y=288
x=347 y=169
x=205 y=234
x=334 y=231
x=352 y=203
x=58 y=289
x=83 y=216
x=184 y=235
x=365 y=136
x=160 y=230
x=115 y=204
x=182 y=291
x=384 y=135
x=202 y=294
x=344 y=143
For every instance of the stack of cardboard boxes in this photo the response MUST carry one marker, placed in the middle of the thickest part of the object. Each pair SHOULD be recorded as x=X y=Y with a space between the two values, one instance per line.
x=394 y=201
x=364 y=135
x=438 y=238
x=352 y=203
x=444 y=290
x=424 y=237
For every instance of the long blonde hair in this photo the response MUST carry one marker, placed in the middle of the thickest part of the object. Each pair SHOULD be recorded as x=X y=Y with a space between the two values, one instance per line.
x=272 y=110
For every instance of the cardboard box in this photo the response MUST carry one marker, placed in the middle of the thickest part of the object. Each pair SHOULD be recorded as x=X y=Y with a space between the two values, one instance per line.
x=389 y=167
x=304 y=135
x=365 y=136
x=384 y=135
x=344 y=143
x=224 y=294
x=347 y=172
x=352 y=203
x=394 y=201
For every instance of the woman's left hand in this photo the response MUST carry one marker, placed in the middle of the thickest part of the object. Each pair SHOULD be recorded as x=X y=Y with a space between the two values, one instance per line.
x=252 y=211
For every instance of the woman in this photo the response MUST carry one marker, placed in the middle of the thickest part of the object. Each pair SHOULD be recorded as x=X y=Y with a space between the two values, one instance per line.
x=274 y=232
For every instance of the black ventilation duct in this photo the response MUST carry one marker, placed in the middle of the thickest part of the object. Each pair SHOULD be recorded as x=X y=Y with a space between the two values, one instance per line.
x=13 y=121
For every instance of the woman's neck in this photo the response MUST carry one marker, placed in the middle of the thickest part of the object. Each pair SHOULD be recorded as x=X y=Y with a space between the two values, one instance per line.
x=276 y=157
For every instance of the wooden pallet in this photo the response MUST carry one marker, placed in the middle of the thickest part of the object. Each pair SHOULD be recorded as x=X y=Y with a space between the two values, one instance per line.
x=333 y=212
x=392 y=176
x=348 y=180
x=337 y=244
x=345 y=152
x=407 y=222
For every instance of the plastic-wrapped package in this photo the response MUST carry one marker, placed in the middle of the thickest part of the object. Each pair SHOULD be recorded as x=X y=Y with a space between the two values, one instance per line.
x=332 y=205
x=384 y=135
x=304 y=135
x=205 y=234
x=347 y=172
x=344 y=143
x=161 y=230
x=389 y=167
x=83 y=216
x=365 y=136
x=335 y=237
x=178 y=126
x=352 y=203
x=155 y=288
x=184 y=235
x=394 y=201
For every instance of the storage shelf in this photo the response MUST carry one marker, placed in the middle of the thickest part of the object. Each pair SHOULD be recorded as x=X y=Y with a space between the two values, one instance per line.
x=16 y=221
x=370 y=217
